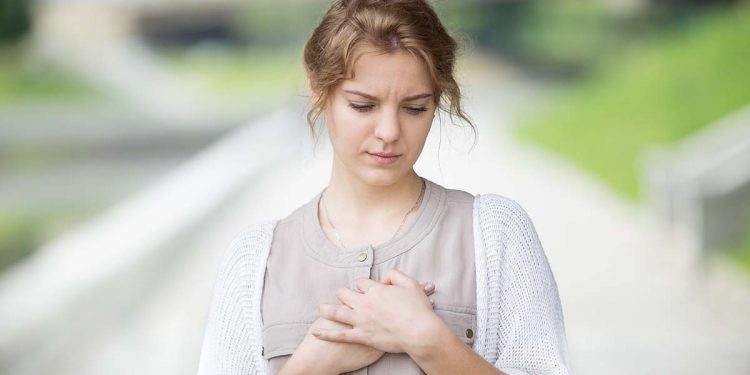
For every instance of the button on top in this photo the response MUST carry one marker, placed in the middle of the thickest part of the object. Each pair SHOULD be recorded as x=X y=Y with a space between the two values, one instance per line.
x=362 y=257
x=469 y=333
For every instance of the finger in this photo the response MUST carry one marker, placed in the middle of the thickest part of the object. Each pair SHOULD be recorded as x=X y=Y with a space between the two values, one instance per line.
x=348 y=297
x=364 y=284
x=337 y=313
x=353 y=336
x=428 y=287
x=396 y=277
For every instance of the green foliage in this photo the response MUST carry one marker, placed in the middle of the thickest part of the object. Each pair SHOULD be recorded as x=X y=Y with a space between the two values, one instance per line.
x=19 y=236
x=741 y=254
x=565 y=33
x=23 y=231
x=279 y=23
x=237 y=73
x=544 y=34
x=493 y=25
x=671 y=86
x=22 y=80
x=15 y=19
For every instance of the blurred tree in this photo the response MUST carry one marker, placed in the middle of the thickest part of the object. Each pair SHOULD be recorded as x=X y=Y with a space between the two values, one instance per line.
x=15 y=19
x=279 y=23
x=549 y=35
x=678 y=11
x=566 y=37
x=490 y=24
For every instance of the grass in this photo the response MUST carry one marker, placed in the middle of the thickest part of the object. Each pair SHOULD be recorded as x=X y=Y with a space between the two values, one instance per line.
x=28 y=82
x=237 y=74
x=741 y=254
x=658 y=93
x=22 y=232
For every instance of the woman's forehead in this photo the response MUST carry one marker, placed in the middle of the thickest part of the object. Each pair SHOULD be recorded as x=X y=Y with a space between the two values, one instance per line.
x=399 y=72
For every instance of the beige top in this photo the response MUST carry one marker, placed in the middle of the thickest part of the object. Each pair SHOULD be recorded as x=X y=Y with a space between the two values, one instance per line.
x=305 y=268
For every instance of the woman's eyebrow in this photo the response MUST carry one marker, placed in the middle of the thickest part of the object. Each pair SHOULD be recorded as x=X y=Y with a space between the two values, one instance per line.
x=361 y=94
x=415 y=97
x=368 y=96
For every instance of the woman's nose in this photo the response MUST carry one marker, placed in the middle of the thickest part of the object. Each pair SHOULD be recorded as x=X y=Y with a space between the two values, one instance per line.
x=388 y=127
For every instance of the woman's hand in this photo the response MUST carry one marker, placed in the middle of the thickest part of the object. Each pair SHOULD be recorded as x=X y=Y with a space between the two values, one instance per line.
x=391 y=316
x=314 y=356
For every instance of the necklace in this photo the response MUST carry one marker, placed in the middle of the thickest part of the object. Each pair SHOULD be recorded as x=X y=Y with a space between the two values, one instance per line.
x=416 y=205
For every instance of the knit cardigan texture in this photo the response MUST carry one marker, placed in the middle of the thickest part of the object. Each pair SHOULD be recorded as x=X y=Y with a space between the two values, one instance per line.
x=520 y=328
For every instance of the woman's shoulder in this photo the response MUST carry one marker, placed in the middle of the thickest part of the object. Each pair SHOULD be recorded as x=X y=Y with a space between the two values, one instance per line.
x=499 y=213
x=252 y=237
x=499 y=205
x=294 y=219
x=257 y=237
x=457 y=196
x=489 y=206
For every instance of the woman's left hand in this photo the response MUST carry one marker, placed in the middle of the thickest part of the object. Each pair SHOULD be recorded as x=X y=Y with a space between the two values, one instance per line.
x=393 y=316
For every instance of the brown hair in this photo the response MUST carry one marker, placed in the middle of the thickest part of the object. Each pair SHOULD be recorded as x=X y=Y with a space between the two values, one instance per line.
x=389 y=26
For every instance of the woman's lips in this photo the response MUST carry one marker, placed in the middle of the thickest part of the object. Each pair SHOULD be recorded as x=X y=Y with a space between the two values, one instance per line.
x=384 y=159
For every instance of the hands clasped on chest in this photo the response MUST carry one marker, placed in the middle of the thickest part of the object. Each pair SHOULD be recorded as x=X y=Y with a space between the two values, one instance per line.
x=394 y=316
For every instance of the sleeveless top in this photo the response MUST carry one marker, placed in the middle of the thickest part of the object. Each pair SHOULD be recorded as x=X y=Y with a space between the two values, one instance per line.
x=305 y=268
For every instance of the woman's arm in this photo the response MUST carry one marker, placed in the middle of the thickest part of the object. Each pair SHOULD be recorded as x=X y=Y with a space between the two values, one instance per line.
x=232 y=341
x=438 y=351
x=317 y=357
x=393 y=317
x=522 y=331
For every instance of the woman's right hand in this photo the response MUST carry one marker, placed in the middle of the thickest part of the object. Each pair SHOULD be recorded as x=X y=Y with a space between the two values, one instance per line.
x=314 y=356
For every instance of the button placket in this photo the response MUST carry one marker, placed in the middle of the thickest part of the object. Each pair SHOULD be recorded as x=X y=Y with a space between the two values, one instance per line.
x=364 y=268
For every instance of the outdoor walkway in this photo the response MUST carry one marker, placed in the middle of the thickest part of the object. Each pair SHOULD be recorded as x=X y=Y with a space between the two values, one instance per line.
x=632 y=300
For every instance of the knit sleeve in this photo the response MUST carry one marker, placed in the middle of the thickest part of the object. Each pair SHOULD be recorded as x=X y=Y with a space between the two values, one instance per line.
x=525 y=332
x=232 y=342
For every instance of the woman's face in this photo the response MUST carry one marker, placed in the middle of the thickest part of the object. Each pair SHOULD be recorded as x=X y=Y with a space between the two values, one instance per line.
x=378 y=121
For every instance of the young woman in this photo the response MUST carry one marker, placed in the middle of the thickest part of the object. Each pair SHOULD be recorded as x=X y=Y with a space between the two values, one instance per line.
x=385 y=272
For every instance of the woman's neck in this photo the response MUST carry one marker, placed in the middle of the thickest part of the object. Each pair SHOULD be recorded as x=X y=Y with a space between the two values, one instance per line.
x=353 y=201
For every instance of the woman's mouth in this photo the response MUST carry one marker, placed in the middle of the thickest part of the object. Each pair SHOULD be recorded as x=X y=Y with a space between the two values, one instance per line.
x=384 y=158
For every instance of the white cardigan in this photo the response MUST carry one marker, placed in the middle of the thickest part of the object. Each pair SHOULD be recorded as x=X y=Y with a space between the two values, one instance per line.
x=520 y=325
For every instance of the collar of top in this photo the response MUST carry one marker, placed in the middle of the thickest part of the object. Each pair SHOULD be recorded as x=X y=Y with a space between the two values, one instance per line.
x=318 y=246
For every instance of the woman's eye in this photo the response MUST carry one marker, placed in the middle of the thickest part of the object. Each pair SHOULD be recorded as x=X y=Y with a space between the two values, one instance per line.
x=361 y=107
x=416 y=110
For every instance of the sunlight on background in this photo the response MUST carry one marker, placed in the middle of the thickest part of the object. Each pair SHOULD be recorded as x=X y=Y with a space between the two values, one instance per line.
x=138 y=137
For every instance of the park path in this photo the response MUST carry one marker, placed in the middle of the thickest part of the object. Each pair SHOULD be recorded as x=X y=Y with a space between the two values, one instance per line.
x=633 y=301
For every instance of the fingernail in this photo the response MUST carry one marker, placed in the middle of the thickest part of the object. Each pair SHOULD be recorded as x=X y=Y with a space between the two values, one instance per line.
x=316 y=332
x=429 y=286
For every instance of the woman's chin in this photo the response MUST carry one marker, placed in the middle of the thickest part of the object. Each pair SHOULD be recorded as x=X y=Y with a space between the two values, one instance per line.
x=383 y=177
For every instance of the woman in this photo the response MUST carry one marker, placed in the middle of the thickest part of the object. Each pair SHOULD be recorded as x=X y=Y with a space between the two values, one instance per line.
x=341 y=285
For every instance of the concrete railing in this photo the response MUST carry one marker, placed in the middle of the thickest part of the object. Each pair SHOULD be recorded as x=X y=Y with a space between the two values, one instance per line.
x=701 y=186
x=79 y=282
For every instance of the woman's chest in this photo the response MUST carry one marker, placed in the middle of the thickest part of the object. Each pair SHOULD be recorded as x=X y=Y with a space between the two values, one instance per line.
x=295 y=286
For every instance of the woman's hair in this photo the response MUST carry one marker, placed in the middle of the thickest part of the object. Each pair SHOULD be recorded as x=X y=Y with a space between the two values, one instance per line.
x=388 y=26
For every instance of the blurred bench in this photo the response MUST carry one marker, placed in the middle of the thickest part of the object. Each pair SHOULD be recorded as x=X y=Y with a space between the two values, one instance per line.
x=701 y=186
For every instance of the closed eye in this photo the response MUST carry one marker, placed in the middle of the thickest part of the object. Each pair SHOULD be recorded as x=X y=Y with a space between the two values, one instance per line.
x=361 y=107
x=416 y=110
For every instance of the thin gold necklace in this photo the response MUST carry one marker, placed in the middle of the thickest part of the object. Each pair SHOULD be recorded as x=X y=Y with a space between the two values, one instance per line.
x=336 y=232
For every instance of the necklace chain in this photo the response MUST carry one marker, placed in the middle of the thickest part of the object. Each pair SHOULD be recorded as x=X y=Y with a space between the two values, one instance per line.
x=336 y=232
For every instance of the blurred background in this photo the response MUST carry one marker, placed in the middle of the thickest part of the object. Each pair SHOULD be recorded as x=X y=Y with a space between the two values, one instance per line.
x=138 y=137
